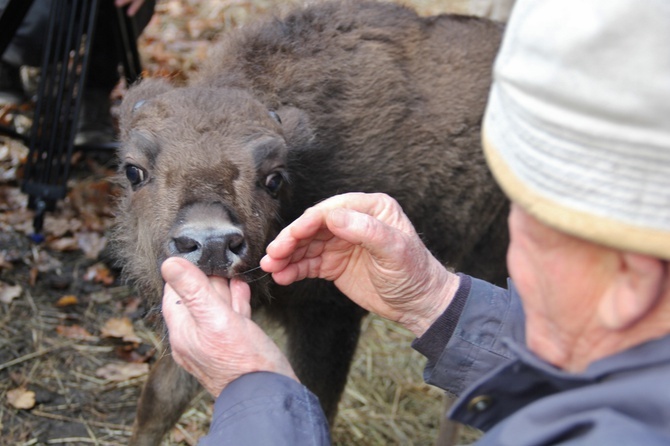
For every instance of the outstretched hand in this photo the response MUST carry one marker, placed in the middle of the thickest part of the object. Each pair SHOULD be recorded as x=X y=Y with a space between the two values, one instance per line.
x=211 y=333
x=367 y=246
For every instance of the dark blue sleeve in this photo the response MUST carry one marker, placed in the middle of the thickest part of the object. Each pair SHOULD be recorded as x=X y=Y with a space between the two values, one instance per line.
x=466 y=341
x=266 y=408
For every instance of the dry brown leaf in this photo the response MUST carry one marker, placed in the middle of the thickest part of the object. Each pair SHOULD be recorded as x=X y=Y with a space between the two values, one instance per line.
x=19 y=220
x=120 y=327
x=132 y=305
x=45 y=263
x=67 y=300
x=12 y=154
x=9 y=292
x=179 y=436
x=101 y=297
x=122 y=371
x=57 y=225
x=91 y=243
x=63 y=244
x=32 y=276
x=21 y=398
x=99 y=273
x=76 y=332
x=4 y=263
x=134 y=354
x=197 y=27
x=12 y=199
x=91 y=199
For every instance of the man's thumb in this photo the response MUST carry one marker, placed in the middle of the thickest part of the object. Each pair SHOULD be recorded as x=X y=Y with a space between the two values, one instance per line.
x=174 y=310
x=184 y=277
x=203 y=300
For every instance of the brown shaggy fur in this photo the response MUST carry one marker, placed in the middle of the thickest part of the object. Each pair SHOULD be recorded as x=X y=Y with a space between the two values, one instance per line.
x=369 y=97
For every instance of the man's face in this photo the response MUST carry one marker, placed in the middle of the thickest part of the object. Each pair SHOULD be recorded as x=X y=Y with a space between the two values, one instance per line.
x=558 y=277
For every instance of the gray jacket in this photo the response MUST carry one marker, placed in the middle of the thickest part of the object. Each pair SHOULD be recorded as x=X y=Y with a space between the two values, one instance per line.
x=476 y=350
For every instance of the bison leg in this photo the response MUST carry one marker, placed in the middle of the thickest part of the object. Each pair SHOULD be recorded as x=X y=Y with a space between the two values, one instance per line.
x=322 y=335
x=166 y=394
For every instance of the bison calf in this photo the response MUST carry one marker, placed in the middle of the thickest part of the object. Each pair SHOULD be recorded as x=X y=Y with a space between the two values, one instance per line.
x=334 y=97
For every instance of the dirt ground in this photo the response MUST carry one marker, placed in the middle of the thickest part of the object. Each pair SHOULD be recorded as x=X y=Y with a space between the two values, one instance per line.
x=75 y=347
x=51 y=340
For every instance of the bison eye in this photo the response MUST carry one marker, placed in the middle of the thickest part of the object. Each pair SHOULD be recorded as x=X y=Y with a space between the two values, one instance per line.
x=273 y=183
x=275 y=116
x=135 y=175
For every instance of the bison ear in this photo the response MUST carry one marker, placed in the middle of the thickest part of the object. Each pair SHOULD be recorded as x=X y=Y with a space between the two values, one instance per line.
x=295 y=124
x=138 y=95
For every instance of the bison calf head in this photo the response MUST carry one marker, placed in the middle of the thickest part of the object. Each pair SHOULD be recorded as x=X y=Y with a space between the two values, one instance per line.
x=205 y=174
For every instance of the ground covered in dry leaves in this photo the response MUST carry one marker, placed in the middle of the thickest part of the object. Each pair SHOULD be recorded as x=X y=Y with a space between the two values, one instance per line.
x=74 y=346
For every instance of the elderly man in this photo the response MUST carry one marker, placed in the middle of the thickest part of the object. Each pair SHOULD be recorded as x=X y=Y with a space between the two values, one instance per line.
x=577 y=351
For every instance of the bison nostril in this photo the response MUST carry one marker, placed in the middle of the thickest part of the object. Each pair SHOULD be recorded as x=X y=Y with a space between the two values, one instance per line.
x=185 y=245
x=214 y=250
x=236 y=244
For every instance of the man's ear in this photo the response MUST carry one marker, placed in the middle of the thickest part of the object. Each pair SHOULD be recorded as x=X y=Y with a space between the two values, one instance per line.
x=634 y=292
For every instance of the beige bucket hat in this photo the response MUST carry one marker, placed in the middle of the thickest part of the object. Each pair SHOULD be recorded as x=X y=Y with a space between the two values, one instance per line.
x=577 y=128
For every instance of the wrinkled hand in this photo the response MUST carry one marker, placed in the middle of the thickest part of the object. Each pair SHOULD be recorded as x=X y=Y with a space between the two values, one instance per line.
x=135 y=5
x=211 y=333
x=367 y=246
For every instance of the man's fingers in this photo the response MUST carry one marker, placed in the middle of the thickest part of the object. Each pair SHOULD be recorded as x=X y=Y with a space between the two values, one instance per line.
x=221 y=288
x=240 y=297
x=135 y=5
x=288 y=242
x=379 y=206
x=294 y=272
x=358 y=228
x=310 y=249
x=333 y=231
x=316 y=224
